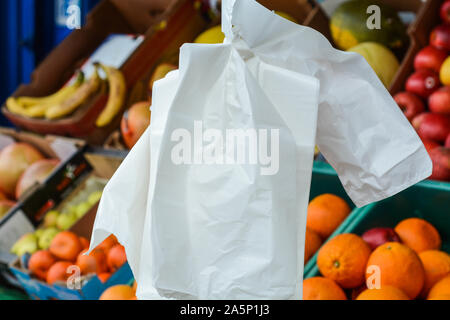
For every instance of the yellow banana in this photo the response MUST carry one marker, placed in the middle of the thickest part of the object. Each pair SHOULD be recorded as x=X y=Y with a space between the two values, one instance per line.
x=37 y=111
x=117 y=94
x=15 y=107
x=55 y=98
x=77 y=98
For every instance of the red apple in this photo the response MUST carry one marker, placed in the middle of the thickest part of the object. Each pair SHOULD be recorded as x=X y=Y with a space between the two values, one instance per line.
x=447 y=141
x=430 y=144
x=35 y=174
x=430 y=58
x=423 y=82
x=379 y=236
x=440 y=37
x=417 y=121
x=445 y=12
x=433 y=126
x=134 y=123
x=410 y=104
x=14 y=160
x=441 y=164
x=439 y=101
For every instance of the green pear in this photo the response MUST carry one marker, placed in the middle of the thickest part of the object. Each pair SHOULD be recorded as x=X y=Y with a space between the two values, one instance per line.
x=26 y=244
x=46 y=238
x=66 y=221
x=39 y=233
x=50 y=219
x=72 y=210
x=95 y=197
x=82 y=209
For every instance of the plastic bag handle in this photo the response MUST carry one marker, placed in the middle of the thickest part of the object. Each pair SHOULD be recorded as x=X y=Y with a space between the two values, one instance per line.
x=227 y=16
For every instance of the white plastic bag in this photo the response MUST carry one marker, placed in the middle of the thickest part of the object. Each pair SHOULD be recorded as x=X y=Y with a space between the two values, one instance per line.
x=198 y=224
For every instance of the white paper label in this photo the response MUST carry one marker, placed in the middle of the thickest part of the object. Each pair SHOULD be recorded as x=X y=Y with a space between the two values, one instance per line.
x=114 y=52
x=17 y=226
x=64 y=149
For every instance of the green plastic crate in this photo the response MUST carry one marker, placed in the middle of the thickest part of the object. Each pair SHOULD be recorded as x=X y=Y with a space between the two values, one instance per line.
x=8 y=294
x=428 y=200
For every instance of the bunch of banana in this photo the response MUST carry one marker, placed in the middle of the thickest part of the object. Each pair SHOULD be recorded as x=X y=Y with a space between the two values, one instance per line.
x=117 y=95
x=68 y=106
x=70 y=98
x=37 y=107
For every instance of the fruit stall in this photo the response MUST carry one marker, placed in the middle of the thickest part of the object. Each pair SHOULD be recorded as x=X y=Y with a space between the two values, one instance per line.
x=88 y=104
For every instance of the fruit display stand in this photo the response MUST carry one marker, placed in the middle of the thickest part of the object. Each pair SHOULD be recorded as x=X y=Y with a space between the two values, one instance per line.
x=427 y=19
x=91 y=287
x=427 y=200
x=163 y=44
x=93 y=167
x=18 y=221
x=183 y=23
x=109 y=17
x=417 y=7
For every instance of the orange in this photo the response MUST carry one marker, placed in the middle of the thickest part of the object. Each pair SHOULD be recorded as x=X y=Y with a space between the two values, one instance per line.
x=104 y=277
x=399 y=266
x=441 y=297
x=312 y=244
x=135 y=286
x=326 y=213
x=84 y=243
x=442 y=288
x=436 y=265
x=319 y=288
x=95 y=262
x=385 y=293
x=59 y=272
x=66 y=246
x=343 y=259
x=116 y=258
x=121 y=292
x=39 y=264
x=106 y=245
x=355 y=292
x=419 y=235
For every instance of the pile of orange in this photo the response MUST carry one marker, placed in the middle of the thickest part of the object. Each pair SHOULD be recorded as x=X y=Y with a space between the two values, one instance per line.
x=412 y=269
x=325 y=213
x=66 y=257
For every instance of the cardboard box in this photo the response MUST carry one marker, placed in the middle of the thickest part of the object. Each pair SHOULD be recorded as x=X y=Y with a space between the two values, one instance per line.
x=93 y=163
x=138 y=17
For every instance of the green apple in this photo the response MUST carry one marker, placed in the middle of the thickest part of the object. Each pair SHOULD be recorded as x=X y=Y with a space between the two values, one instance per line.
x=95 y=197
x=26 y=244
x=82 y=209
x=50 y=219
x=46 y=238
x=66 y=221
